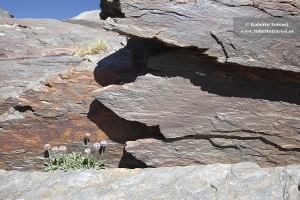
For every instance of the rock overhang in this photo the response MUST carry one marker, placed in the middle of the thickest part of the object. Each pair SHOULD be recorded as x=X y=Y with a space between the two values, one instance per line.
x=208 y=24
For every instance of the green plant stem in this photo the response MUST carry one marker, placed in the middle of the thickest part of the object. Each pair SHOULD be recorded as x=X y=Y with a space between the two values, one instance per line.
x=49 y=153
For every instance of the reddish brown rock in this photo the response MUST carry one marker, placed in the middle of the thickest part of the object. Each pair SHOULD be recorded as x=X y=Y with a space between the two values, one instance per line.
x=61 y=113
x=45 y=92
x=46 y=98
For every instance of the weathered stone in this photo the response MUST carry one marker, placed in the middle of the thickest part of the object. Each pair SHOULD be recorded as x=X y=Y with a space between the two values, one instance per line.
x=46 y=98
x=5 y=14
x=257 y=110
x=208 y=25
x=31 y=38
x=239 y=181
x=124 y=65
x=18 y=76
x=96 y=24
x=191 y=151
x=89 y=15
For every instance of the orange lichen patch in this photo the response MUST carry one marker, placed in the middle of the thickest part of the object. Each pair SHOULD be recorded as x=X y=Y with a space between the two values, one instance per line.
x=61 y=113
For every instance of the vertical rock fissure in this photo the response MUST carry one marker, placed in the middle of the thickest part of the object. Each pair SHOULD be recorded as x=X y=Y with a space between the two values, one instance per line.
x=220 y=43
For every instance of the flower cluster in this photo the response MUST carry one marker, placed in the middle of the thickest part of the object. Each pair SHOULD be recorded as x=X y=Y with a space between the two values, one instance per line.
x=64 y=161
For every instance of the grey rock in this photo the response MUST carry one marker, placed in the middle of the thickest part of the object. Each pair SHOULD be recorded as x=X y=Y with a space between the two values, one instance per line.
x=241 y=114
x=28 y=44
x=89 y=15
x=46 y=91
x=96 y=24
x=192 y=151
x=29 y=38
x=208 y=25
x=19 y=76
x=218 y=181
x=5 y=14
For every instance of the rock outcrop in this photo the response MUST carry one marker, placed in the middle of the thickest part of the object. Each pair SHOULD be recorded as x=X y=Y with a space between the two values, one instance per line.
x=209 y=112
x=208 y=25
x=240 y=181
x=89 y=15
x=46 y=90
x=5 y=14
x=157 y=102
x=188 y=94
x=211 y=102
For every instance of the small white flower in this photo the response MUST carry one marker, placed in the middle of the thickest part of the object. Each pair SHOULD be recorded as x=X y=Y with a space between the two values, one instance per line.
x=103 y=143
x=47 y=146
x=87 y=135
x=54 y=149
x=97 y=145
x=87 y=151
x=63 y=148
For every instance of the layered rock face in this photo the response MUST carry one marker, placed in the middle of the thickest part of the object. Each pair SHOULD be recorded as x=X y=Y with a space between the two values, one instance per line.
x=187 y=95
x=211 y=103
x=46 y=90
x=210 y=112
x=207 y=24
x=218 y=181
x=156 y=104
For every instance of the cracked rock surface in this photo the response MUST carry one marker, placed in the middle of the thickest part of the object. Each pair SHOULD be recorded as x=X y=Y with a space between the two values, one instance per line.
x=208 y=25
x=45 y=91
x=239 y=181
x=210 y=112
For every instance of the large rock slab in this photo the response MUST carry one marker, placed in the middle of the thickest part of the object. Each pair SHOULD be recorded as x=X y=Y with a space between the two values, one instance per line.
x=208 y=25
x=28 y=44
x=240 y=181
x=205 y=109
x=214 y=149
x=30 y=38
x=46 y=92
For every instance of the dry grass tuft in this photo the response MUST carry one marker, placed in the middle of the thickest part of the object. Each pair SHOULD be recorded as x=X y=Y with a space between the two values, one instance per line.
x=93 y=48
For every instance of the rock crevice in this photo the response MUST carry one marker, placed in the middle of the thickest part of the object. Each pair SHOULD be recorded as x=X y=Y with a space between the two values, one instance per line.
x=190 y=23
x=209 y=112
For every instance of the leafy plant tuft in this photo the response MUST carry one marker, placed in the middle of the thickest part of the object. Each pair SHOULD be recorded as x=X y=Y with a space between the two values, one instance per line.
x=93 y=48
x=72 y=161
x=61 y=160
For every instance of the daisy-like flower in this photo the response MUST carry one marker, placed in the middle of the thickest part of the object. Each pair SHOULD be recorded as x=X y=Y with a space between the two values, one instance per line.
x=97 y=145
x=63 y=148
x=87 y=135
x=103 y=143
x=54 y=149
x=47 y=146
x=87 y=151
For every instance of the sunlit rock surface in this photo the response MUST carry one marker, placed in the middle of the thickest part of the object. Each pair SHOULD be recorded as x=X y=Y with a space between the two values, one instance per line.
x=239 y=181
x=208 y=25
